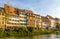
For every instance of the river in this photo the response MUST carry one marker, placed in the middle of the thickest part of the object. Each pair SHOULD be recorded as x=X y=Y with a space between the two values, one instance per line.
x=51 y=36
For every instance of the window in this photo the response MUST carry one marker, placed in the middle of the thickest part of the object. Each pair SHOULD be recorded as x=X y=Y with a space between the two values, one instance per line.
x=24 y=20
x=25 y=17
x=2 y=22
x=2 y=18
x=21 y=23
x=10 y=12
x=8 y=9
x=25 y=24
x=2 y=13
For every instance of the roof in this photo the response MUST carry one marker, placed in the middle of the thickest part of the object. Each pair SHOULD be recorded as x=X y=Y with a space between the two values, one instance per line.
x=1 y=8
x=45 y=19
x=12 y=10
x=50 y=17
x=57 y=19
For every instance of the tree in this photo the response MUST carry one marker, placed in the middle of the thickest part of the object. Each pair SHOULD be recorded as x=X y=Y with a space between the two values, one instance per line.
x=58 y=26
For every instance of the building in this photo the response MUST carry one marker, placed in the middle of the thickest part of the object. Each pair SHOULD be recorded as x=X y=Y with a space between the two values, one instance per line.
x=22 y=17
x=12 y=18
x=45 y=22
x=52 y=20
x=15 y=17
x=57 y=20
x=38 y=21
x=30 y=19
x=2 y=18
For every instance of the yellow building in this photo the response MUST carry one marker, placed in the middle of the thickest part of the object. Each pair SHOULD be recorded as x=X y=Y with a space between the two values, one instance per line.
x=2 y=18
x=12 y=18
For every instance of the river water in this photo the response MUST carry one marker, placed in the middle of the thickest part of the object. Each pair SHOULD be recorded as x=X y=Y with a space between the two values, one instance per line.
x=51 y=36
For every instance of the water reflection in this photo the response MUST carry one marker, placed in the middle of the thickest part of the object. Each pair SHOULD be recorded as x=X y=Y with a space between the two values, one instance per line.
x=51 y=36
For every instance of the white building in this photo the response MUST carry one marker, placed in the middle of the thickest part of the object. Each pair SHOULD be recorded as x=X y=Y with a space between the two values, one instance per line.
x=52 y=20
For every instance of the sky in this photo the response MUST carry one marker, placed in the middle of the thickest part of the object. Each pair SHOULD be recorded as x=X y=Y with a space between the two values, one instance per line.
x=42 y=7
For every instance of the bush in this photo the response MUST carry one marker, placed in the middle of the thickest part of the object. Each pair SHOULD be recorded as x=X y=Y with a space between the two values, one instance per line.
x=23 y=31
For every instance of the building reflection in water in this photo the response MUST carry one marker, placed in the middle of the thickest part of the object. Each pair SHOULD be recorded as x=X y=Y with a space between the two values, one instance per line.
x=52 y=36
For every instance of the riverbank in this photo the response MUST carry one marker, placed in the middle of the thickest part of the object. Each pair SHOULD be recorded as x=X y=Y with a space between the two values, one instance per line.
x=23 y=32
x=50 y=36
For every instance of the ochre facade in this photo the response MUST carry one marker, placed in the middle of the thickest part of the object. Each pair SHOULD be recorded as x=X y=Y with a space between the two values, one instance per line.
x=15 y=17
x=2 y=18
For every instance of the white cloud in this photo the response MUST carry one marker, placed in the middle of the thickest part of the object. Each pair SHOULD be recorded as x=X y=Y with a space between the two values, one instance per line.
x=54 y=10
x=51 y=7
x=43 y=7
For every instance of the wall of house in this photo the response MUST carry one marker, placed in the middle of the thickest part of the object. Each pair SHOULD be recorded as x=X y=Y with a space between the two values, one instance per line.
x=30 y=20
x=2 y=18
x=53 y=23
x=12 y=18
x=18 y=17
x=23 y=19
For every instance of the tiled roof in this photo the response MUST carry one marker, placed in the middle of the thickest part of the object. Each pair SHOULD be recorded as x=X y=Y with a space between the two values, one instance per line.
x=50 y=17
x=1 y=8
x=57 y=19
x=45 y=19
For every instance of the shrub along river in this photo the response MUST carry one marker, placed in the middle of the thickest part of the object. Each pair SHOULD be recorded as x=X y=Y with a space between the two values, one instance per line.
x=51 y=36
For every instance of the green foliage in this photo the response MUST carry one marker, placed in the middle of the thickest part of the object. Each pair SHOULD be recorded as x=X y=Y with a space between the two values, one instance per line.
x=30 y=29
x=58 y=26
x=23 y=31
